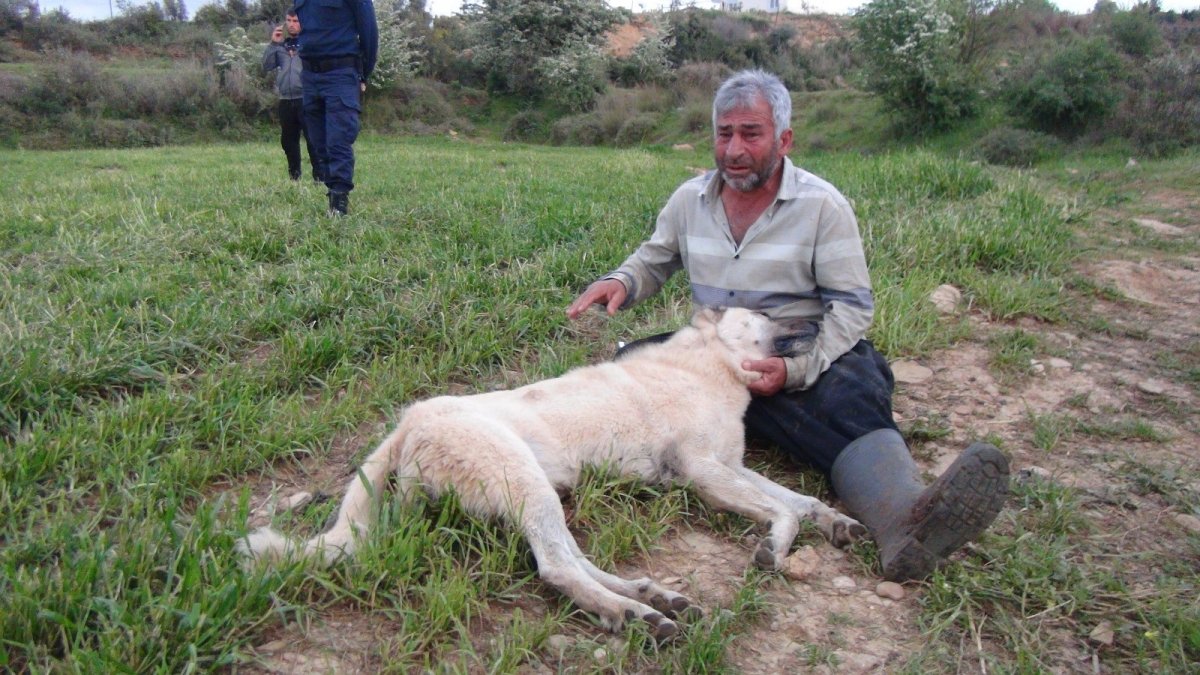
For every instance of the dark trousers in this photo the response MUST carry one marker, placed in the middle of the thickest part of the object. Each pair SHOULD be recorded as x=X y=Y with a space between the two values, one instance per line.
x=331 y=110
x=291 y=128
x=813 y=426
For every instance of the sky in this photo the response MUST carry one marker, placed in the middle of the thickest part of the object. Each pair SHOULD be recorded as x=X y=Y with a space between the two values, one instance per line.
x=87 y=10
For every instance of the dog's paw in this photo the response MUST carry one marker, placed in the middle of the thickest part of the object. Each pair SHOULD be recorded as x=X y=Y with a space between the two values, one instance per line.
x=846 y=531
x=766 y=557
x=676 y=607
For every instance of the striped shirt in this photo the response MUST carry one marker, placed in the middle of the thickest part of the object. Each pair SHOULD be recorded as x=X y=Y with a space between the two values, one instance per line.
x=801 y=263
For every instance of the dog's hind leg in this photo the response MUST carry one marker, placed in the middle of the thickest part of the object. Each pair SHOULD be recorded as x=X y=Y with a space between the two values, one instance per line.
x=353 y=515
x=561 y=565
x=840 y=529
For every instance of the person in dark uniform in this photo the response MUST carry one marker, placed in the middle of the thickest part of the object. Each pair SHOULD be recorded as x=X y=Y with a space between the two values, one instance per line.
x=340 y=45
x=282 y=57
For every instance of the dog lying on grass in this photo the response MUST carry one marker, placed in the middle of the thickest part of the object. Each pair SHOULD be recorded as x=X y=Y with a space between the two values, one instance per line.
x=665 y=412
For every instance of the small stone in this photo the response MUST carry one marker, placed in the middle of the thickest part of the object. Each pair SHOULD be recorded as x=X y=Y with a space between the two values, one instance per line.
x=558 y=644
x=1188 y=522
x=1102 y=633
x=683 y=147
x=946 y=298
x=1059 y=364
x=801 y=564
x=1155 y=387
x=272 y=646
x=844 y=585
x=910 y=372
x=890 y=590
x=1033 y=472
x=601 y=654
x=1037 y=367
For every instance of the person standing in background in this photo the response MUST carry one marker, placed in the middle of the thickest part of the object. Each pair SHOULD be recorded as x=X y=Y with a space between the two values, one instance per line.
x=341 y=43
x=282 y=56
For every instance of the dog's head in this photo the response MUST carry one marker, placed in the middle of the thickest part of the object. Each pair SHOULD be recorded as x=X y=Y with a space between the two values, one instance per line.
x=746 y=333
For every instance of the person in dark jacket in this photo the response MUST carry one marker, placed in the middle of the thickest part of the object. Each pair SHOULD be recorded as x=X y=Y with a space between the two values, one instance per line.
x=340 y=45
x=283 y=58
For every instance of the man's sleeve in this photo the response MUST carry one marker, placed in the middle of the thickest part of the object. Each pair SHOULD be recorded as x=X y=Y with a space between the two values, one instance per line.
x=270 y=60
x=645 y=271
x=844 y=285
x=368 y=35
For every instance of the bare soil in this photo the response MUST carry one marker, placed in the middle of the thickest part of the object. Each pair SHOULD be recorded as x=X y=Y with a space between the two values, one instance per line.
x=1126 y=366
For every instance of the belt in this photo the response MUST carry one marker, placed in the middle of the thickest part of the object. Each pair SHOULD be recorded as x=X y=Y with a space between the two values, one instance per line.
x=326 y=65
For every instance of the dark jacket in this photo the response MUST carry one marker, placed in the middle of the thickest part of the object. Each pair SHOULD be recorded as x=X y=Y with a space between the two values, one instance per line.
x=287 y=67
x=336 y=28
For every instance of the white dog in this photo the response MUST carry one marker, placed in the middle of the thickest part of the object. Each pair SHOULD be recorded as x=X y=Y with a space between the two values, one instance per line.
x=665 y=412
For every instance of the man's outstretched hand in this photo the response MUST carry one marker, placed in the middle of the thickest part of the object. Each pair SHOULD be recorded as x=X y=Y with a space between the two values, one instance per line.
x=607 y=292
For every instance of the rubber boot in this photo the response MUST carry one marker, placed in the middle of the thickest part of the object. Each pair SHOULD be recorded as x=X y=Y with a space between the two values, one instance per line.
x=915 y=527
x=339 y=203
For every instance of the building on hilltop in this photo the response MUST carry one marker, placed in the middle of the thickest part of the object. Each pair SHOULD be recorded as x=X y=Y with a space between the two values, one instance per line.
x=751 y=5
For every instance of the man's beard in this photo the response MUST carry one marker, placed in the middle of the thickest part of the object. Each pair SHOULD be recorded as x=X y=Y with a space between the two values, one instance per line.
x=757 y=177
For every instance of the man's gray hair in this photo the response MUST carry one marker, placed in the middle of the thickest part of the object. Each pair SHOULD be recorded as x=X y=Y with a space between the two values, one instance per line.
x=744 y=89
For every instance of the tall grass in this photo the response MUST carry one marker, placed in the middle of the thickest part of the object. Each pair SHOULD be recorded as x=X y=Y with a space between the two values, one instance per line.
x=174 y=321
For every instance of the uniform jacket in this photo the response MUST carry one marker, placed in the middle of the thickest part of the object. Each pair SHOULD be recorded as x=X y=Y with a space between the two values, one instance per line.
x=335 y=28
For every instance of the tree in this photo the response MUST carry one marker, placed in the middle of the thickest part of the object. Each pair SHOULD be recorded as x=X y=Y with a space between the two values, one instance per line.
x=174 y=10
x=912 y=58
x=535 y=47
x=397 y=52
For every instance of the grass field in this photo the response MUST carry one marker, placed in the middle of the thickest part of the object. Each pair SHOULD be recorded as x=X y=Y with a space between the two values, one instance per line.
x=176 y=321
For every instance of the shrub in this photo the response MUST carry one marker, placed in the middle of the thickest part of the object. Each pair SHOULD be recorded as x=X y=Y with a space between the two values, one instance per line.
x=542 y=49
x=1135 y=33
x=584 y=129
x=700 y=80
x=649 y=62
x=636 y=130
x=1015 y=147
x=1068 y=89
x=909 y=50
x=527 y=125
x=695 y=117
x=1161 y=111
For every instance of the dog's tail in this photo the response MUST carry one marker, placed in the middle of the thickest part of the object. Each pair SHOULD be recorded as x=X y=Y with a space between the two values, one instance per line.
x=353 y=517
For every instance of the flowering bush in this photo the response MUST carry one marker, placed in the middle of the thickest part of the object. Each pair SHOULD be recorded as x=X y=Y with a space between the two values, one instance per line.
x=909 y=50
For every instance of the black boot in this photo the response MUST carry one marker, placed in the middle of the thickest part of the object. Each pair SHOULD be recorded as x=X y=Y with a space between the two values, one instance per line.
x=914 y=526
x=339 y=203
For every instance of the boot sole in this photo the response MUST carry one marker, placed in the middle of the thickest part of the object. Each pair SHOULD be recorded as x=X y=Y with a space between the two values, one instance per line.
x=962 y=503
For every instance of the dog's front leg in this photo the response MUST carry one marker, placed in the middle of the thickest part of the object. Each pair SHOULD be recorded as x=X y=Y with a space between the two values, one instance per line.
x=840 y=529
x=722 y=486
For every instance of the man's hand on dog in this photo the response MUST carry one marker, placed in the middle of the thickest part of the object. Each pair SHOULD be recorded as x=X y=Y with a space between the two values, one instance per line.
x=609 y=293
x=774 y=375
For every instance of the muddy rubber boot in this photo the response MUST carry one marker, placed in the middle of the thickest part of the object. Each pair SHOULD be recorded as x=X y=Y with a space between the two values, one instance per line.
x=339 y=203
x=914 y=526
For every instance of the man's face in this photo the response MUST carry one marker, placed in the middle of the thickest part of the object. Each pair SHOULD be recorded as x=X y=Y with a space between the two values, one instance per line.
x=745 y=148
x=293 y=25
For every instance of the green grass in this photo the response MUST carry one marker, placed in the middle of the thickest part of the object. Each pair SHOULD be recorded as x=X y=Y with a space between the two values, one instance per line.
x=176 y=321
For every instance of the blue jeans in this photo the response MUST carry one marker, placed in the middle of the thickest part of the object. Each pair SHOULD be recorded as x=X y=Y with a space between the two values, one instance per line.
x=331 y=109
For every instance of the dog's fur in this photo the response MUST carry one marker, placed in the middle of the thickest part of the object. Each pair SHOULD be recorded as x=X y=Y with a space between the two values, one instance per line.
x=664 y=412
